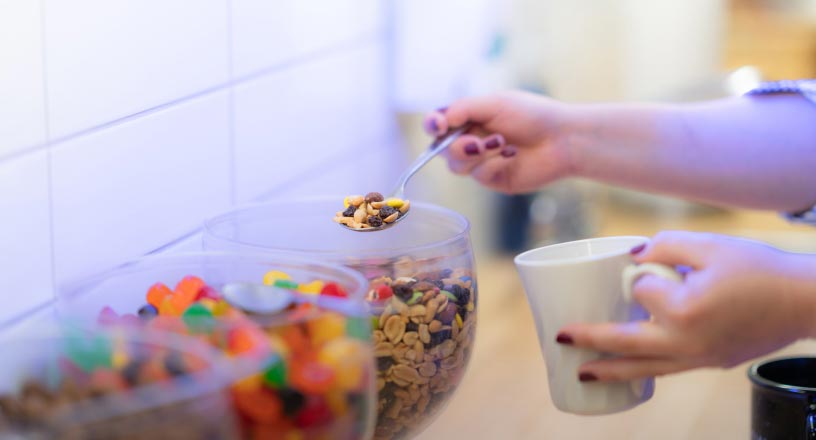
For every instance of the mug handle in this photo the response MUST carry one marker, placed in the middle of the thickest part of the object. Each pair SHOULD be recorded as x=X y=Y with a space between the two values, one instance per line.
x=811 y=424
x=632 y=272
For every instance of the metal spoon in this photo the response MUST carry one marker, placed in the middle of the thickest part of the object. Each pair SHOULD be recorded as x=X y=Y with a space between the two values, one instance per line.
x=439 y=145
x=257 y=298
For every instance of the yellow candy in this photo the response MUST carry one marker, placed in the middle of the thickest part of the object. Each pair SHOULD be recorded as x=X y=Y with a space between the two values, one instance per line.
x=336 y=399
x=346 y=202
x=274 y=275
x=459 y=320
x=208 y=303
x=220 y=308
x=394 y=203
x=249 y=383
x=348 y=357
x=327 y=327
x=311 y=288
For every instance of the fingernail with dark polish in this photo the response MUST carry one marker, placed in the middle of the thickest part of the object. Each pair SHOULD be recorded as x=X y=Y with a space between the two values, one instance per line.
x=637 y=249
x=492 y=144
x=508 y=152
x=434 y=126
x=564 y=338
x=587 y=377
x=442 y=109
x=471 y=149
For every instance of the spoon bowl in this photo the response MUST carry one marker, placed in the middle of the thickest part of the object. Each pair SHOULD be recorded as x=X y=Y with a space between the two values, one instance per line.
x=439 y=145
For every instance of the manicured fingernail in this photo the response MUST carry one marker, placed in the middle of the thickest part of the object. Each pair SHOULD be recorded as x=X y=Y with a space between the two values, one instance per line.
x=442 y=109
x=434 y=126
x=637 y=249
x=471 y=149
x=508 y=152
x=492 y=143
x=587 y=377
x=564 y=338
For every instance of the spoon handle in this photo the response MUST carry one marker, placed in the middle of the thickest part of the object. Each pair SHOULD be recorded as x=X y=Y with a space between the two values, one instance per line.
x=438 y=146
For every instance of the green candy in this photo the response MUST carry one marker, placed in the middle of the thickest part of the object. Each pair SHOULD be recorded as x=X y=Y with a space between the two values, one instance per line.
x=417 y=296
x=358 y=328
x=286 y=284
x=89 y=352
x=198 y=318
x=275 y=374
x=450 y=296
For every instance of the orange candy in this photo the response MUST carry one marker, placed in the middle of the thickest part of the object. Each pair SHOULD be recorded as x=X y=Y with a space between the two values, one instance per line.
x=241 y=340
x=186 y=292
x=312 y=377
x=157 y=293
x=295 y=337
x=258 y=404
x=167 y=308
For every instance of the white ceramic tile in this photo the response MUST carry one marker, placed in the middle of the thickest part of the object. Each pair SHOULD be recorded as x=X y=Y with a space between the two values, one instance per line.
x=25 y=243
x=109 y=59
x=134 y=187
x=383 y=166
x=266 y=33
x=289 y=121
x=22 y=114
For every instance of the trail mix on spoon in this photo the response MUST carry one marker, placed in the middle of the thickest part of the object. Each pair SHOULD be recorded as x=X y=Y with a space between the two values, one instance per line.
x=371 y=211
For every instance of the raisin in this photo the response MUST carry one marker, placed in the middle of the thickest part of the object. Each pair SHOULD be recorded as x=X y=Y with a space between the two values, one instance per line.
x=439 y=337
x=462 y=294
x=402 y=292
x=384 y=363
x=349 y=212
x=448 y=314
x=131 y=372
x=386 y=211
x=174 y=364
x=374 y=221
x=411 y=326
x=292 y=400
x=439 y=283
x=446 y=273
x=374 y=197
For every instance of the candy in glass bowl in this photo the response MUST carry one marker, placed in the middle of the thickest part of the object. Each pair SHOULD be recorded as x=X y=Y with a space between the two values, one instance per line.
x=307 y=361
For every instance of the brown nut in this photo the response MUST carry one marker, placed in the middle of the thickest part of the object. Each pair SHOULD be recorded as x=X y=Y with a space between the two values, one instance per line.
x=391 y=218
x=424 y=334
x=394 y=328
x=356 y=200
x=435 y=326
x=417 y=310
x=406 y=373
x=427 y=369
x=410 y=338
x=448 y=314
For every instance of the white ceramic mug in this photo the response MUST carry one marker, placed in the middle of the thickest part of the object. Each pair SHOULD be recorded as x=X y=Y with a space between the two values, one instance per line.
x=585 y=281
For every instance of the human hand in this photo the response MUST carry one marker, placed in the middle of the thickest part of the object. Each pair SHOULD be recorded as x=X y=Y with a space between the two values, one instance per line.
x=516 y=144
x=741 y=299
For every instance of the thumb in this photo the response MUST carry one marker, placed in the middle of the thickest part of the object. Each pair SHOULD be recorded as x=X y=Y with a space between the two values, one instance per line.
x=676 y=248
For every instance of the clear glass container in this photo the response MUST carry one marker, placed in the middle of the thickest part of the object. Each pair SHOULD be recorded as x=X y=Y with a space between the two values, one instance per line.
x=422 y=292
x=308 y=369
x=112 y=384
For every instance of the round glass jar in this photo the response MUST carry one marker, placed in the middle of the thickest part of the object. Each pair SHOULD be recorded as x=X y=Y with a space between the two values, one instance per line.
x=422 y=292
x=307 y=369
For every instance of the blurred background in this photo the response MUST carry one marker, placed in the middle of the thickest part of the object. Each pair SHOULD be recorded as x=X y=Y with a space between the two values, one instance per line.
x=123 y=124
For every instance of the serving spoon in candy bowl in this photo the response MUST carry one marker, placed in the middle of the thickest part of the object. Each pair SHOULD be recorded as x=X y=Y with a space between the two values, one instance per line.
x=439 y=145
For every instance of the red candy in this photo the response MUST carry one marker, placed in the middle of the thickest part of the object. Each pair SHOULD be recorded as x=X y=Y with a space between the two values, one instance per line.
x=312 y=377
x=315 y=413
x=333 y=289
x=207 y=292
x=384 y=292
x=258 y=404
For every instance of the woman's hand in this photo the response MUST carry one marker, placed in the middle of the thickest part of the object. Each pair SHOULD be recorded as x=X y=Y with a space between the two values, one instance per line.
x=740 y=299
x=516 y=145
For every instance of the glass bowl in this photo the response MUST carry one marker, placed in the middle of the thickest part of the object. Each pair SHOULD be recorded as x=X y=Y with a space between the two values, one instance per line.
x=421 y=295
x=112 y=384
x=308 y=369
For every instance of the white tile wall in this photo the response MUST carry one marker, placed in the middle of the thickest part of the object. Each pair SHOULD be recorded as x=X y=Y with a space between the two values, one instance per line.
x=129 y=189
x=303 y=116
x=22 y=121
x=109 y=59
x=25 y=243
x=270 y=32
x=131 y=108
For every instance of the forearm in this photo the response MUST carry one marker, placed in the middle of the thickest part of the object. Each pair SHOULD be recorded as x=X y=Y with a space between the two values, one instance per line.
x=798 y=272
x=751 y=152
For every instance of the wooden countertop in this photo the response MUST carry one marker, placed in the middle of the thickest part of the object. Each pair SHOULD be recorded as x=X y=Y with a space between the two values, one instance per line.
x=505 y=395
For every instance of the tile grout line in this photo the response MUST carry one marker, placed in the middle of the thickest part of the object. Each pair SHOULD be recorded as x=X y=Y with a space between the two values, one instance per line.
x=289 y=63
x=48 y=159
